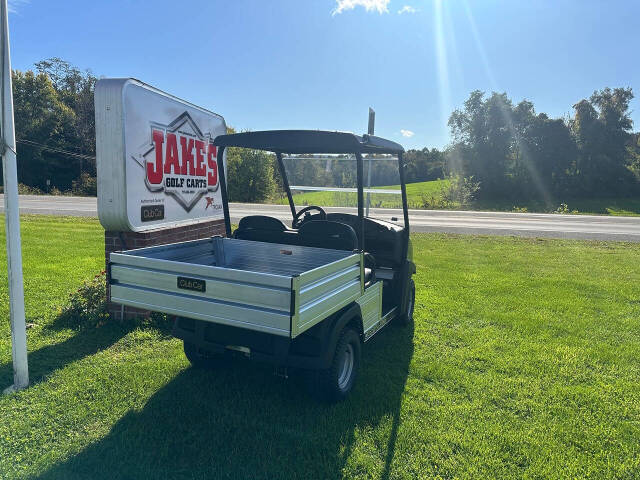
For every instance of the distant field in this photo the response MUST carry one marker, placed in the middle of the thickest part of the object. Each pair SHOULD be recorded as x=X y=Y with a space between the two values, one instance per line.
x=523 y=363
x=431 y=191
x=415 y=194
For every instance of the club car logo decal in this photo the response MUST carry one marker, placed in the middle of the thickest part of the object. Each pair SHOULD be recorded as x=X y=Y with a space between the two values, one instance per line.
x=180 y=160
x=195 y=284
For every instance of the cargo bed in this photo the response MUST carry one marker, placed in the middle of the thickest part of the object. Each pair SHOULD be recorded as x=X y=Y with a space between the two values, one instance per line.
x=273 y=288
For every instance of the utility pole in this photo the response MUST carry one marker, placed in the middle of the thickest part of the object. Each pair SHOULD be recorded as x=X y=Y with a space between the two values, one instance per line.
x=370 y=130
x=12 y=214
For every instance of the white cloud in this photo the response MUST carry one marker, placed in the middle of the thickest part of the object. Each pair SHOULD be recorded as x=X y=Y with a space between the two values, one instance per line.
x=14 y=5
x=379 y=6
x=407 y=9
x=406 y=133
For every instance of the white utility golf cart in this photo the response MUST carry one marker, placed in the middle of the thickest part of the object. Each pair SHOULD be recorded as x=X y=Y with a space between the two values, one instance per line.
x=304 y=296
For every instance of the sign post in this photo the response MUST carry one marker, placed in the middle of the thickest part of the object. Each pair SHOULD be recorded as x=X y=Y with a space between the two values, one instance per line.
x=12 y=216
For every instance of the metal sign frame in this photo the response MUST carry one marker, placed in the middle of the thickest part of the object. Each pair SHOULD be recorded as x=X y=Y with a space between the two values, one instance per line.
x=155 y=158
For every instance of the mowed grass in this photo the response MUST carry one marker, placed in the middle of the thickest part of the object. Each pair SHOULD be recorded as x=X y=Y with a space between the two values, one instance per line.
x=415 y=194
x=524 y=362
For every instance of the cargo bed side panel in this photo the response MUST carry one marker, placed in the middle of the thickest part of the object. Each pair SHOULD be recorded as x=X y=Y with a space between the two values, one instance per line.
x=325 y=290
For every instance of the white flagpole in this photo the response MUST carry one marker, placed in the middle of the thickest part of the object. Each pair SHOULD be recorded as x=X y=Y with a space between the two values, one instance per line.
x=12 y=215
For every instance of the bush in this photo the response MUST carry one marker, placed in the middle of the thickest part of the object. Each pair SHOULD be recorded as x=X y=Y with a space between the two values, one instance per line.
x=27 y=190
x=432 y=201
x=85 y=186
x=87 y=306
x=461 y=191
x=564 y=209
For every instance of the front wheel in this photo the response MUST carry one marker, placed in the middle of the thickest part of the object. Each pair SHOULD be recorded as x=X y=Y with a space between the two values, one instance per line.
x=337 y=381
x=407 y=317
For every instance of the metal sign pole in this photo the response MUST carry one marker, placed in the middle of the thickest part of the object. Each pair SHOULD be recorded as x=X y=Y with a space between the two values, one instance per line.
x=370 y=129
x=12 y=216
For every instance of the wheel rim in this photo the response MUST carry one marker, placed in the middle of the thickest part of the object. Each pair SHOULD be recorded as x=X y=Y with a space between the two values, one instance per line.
x=346 y=367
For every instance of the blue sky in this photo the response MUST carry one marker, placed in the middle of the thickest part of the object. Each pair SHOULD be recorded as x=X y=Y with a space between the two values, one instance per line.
x=321 y=63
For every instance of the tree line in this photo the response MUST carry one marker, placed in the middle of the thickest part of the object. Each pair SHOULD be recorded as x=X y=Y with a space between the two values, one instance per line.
x=55 y=127
x=516 y=153
x=507 y=150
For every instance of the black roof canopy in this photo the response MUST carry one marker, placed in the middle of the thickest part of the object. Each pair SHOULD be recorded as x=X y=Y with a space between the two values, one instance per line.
x=309 y=141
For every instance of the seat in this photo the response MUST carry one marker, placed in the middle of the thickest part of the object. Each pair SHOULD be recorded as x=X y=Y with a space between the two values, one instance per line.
x=335 y=235
x=327 y=234
x=264 y=229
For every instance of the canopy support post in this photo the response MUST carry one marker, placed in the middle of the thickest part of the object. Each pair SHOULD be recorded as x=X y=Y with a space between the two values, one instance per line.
x=285 y=183
x=222 y=179
x=360 y=180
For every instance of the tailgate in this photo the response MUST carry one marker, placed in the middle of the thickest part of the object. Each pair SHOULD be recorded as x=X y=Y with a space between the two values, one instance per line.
x=253 y=300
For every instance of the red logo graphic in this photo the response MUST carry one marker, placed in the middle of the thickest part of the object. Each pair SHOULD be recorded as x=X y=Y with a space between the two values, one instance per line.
x=181 y=160
x=209 y=202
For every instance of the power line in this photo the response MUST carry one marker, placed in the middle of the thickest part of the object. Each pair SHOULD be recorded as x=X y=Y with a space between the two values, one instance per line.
x=31 y=143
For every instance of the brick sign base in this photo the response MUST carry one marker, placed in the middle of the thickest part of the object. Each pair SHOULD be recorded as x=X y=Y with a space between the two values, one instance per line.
x=115 y=241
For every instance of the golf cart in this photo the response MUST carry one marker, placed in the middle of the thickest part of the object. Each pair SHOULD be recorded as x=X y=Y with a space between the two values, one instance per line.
x=302 y=297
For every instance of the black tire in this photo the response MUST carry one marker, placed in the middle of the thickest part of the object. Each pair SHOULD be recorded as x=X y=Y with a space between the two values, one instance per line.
x=198 y=359
x=336 y=382
x=407 y=317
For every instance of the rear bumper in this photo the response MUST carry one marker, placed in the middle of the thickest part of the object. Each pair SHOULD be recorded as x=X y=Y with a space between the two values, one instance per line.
x=262 y=347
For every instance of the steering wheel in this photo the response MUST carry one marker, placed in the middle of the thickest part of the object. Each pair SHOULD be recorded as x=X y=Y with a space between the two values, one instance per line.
x=297 y=221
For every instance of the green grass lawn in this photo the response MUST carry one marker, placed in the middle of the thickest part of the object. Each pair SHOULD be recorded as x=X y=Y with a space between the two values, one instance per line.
x=415 y=193
x=524 y=362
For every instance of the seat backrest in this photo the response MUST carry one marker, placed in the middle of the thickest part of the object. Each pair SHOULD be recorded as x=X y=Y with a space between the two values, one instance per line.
x=261 y=222
x=327 y=234
x=263 y=229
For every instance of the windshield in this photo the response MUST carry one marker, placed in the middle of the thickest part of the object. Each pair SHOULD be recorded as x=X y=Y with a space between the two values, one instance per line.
x=330 y=181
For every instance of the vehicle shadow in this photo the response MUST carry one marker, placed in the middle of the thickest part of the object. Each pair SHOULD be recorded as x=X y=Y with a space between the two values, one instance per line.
x=242 y=422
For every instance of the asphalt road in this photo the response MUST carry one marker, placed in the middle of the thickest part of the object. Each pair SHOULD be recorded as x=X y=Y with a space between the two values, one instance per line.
x=589 y=227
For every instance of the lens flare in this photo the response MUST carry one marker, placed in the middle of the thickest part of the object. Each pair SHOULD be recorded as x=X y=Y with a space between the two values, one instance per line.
x=444 y=84
x=526 y=158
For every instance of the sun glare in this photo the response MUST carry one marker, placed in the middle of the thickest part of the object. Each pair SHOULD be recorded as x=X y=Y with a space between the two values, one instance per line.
x=506 y=114
x=444 y=84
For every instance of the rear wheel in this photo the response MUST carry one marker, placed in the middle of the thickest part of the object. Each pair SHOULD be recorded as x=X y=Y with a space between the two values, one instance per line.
x=199 y=359
x=407 y=317
x=337 y=381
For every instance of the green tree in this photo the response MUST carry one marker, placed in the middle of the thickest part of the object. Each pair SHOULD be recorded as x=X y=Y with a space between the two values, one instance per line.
x=40 y=116
x=250 y=175
x=483 y=137
x=544 y=153
x=602 y=128
x=75 y=89
x=633 y=150
x=424 y=165
x=517 y=153
x=54 y=111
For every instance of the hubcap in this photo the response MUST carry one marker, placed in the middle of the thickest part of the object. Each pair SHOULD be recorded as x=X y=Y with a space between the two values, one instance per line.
x=346 y=367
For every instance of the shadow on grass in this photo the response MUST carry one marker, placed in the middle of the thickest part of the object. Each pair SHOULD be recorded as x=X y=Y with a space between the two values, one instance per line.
x=242 y=422
x=46 y=360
